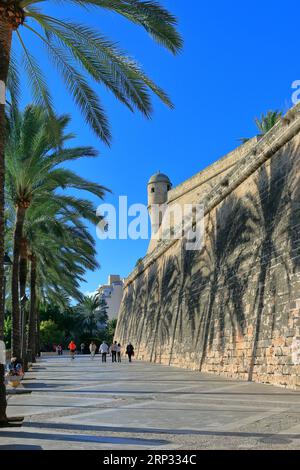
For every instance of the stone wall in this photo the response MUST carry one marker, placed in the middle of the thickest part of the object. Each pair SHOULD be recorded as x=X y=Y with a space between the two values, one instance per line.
x=232 y=308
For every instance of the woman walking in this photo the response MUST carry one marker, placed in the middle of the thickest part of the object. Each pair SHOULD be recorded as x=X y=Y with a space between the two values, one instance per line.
x=119 y=352
x=93 y=349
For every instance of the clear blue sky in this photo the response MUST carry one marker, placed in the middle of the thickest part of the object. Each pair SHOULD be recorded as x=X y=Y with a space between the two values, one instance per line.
x=239 y=60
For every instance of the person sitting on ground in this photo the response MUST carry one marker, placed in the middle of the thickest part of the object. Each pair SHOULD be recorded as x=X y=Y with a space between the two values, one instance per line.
x=130 y=351
x=103 y=350
x=16 y=366
x=93 y=349
x=72 y=348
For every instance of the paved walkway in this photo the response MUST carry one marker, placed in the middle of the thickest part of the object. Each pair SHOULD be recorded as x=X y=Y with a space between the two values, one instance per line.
x=88 y=405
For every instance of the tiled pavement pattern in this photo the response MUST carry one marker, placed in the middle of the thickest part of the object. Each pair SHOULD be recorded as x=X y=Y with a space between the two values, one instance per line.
x=84 y=404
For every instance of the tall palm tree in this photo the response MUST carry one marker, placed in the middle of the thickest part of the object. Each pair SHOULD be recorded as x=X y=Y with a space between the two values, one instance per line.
x=61 y=249
x=93 y=313
x=34 y=172
x=72 y=48
x=265 y=123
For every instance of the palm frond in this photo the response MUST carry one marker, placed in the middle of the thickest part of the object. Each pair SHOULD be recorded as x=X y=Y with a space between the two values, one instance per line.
x=155 y=19
x=13 y=80
x=104 y=61
x=82 y=93
x=40 y=91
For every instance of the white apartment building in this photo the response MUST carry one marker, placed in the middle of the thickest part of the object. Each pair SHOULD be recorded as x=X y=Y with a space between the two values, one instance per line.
x=112 y=293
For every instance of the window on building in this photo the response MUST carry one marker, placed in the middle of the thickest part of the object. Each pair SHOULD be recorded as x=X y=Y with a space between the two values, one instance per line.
x=152 y=190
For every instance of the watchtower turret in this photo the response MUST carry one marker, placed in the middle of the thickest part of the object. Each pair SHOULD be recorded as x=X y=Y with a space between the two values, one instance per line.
x=158 y=187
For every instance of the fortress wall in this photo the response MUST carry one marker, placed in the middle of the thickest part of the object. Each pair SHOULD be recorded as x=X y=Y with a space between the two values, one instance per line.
x=234 y=307
x=204 y=180
x=200 y=185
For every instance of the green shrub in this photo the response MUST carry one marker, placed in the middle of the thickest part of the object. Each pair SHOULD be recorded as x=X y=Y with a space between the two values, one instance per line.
x=50 y=334
x=7 y=332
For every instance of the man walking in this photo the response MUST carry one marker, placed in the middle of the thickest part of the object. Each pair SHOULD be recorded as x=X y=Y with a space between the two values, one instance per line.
x=113 y=350
x=104 y=351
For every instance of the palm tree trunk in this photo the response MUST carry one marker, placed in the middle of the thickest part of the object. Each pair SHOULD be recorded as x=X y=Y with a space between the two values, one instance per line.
x=37 y=331
x=16 y=317
x=5 y=47
x=22 y=282
x=31 y=346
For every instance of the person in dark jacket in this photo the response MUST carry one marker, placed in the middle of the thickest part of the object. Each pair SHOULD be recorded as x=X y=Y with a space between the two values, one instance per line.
x=130 y=351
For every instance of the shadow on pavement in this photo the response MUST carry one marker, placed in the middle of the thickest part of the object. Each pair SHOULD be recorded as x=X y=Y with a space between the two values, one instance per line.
x=19 y=447
x=85 y=427
x=82 y=438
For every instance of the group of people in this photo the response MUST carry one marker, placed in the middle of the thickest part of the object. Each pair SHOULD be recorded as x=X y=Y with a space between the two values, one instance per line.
x=115 y=350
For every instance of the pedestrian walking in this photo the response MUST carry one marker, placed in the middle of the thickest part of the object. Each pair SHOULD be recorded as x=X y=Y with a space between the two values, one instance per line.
x=93 y=349
x=113 y=350
x=72 y=347
x=130 y=351
x=59 y=350
x=119 y=352
x=103 y=350
x=82 y=348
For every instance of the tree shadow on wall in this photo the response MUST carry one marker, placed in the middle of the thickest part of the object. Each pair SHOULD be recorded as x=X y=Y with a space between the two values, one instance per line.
x=164 y=310
x=169 y=288
x=268 y=206
x=137 y=308
x=223 y=255
x=185 y=309
x=125 y=315
x=150 y=283
x=294 y=218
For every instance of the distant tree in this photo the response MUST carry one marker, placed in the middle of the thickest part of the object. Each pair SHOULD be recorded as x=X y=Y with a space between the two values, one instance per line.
x=50 y=334
x=265 y=123
x=138 y=262
x=103 y=310
x=93 y=313
x=110 y=330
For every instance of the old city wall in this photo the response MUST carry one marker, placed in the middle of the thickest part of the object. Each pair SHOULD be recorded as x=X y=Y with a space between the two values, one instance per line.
x=232 y=308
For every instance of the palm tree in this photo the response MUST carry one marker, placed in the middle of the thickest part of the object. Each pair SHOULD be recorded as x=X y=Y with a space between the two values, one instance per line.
x=72 y=48
x=33 y=174
x=265 y=123
x=60 y=250
x=93 y=313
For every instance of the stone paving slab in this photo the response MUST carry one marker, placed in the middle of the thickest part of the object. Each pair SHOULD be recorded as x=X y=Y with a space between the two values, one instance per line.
x=84 y=404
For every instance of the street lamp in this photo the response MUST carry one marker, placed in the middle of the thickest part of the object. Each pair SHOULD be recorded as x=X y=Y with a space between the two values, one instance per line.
x=6 y=263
